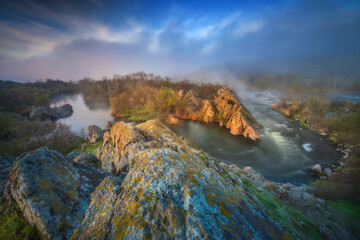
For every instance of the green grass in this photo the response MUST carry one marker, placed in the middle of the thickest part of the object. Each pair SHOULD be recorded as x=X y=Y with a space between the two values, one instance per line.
x=288 y=216
x=13 y=225
x=90 y=147
x=304 y=124
x=348 y=208
x=204 y=159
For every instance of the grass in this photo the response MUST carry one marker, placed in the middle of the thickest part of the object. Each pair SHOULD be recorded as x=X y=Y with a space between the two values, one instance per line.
x=286 y=215
x=13 y=225
x=90 y=147
x=304 y=124
x=346 y=207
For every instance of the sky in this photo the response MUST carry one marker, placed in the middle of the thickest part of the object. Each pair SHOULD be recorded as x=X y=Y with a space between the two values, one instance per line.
x=70 y=40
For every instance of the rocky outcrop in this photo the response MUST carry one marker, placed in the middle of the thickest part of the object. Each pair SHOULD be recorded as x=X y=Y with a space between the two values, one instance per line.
x=94 y=133
x=50 y=113
x=53 y=192
x=6 y=162
x=169 y=193
x=224 y=108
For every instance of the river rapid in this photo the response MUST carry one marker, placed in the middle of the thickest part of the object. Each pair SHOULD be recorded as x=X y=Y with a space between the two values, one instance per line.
x=286 y=153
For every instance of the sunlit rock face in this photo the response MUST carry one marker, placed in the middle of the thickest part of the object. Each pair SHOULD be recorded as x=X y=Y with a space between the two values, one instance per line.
x=53 y=192
x=224 y=108
x=169 y=192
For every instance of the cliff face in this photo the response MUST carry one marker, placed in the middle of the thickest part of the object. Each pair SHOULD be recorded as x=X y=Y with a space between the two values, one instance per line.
x=169 y=193
x=224 y=108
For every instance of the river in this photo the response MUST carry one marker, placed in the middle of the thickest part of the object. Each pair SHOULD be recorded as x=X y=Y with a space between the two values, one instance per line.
x=285 y=154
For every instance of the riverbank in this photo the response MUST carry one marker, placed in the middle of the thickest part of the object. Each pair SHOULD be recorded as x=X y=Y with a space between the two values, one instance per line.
x=339 y=122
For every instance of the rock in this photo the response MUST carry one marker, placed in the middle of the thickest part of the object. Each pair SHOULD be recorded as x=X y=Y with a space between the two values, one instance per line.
x=317 y=169
x=94 y=133
x=275 y=106
x=6 y=162
x=235 y=116
x=50 y=113
x=86 y=158
x=222 y=107
x=169 y=193
x=327 y=171
x=342 y=164
x=109 y=124
x=209 y=112
x=83 y=146
x=348 y=150
x=52 y=192
x=72 y=155
x=171 y=119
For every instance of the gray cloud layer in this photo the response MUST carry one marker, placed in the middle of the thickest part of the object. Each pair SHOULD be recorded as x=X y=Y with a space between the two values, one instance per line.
x=305 y=36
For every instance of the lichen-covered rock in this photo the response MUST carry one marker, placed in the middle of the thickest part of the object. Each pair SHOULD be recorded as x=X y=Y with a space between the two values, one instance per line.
x=52 y=192
x=94 y=133
x=72 y=155
x=170 y=193
x=86 y=158
x=6 y=162
x=50 y=113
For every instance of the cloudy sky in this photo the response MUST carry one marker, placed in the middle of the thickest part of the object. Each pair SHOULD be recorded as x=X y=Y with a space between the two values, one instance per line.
x=95 y=38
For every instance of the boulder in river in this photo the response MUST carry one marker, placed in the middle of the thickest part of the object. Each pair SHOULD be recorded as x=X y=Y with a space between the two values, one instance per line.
x=317 y=169
x=50 y=113
x=94 y=133
x=53 y=193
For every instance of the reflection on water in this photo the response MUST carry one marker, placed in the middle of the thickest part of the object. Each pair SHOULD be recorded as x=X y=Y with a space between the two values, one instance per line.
x=285 y=154
x=85 y=113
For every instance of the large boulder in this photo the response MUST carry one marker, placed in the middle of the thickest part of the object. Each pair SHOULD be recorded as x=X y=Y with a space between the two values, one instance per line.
x=170 y=193
x=50 y=113
x=6 y=162
x=53 y=193
x=94 y=133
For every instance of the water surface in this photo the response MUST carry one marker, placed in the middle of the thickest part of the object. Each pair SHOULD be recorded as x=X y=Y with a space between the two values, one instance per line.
x=85 y=113
x=285 y=154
